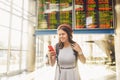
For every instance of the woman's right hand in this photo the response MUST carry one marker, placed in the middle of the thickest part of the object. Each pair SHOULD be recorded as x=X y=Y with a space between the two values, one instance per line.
x=51 y=57
x=51 y=53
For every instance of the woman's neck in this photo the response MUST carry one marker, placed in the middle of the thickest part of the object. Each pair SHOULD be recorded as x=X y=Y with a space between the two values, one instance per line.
x=66 y=44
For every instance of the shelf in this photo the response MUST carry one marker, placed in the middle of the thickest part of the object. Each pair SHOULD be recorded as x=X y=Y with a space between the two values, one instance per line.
x=77 y=31
x=90 y=16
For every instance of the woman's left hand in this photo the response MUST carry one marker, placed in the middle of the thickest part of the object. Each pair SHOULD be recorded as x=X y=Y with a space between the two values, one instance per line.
x=76 y=47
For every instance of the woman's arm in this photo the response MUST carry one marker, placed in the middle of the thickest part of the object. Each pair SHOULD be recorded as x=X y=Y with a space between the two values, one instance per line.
x=51 y=58
x=81 y=56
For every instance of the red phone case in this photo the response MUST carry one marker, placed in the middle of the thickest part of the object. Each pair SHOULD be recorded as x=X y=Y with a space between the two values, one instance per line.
x=50 y=48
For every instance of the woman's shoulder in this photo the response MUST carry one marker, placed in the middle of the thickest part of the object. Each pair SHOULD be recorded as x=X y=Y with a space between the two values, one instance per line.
x=75 y=43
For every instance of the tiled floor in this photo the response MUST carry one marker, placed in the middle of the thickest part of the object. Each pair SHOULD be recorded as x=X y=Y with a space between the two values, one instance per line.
x=87 y=72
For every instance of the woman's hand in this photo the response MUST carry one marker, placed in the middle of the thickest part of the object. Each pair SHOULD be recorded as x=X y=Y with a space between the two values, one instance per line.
x=51 y=57
x=51 y=53
x=81 y=56
x=77 y=48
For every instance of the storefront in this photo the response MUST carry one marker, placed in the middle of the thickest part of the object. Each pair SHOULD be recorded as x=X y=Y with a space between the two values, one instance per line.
x=93 y=23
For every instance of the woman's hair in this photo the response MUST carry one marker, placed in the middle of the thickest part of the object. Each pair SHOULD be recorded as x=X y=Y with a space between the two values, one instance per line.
x=67 y=28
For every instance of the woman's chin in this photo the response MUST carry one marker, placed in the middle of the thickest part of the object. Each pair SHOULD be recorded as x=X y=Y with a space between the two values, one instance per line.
x=62 y=41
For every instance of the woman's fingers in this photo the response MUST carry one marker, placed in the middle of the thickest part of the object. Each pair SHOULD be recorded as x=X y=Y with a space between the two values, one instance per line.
x=51 y=53
x=76 y=47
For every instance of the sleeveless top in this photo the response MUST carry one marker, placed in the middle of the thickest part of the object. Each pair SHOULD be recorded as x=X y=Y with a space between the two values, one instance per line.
x=67 y=68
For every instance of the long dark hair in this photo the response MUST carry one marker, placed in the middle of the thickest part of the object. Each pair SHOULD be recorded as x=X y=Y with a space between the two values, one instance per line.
x=67 y=28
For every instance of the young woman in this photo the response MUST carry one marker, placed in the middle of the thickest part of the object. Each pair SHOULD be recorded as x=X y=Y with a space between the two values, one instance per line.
x=69 y=53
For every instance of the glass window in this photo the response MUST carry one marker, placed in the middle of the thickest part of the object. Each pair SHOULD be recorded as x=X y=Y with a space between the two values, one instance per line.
x=16 y=22
x=3 y=61
x=14 y=60
x=4 y=37
x=25 y=41
x=41 y=49
x=10 y=31
x=4 y=18
x=5 y=5
x=17 y=10
x=15 y=39
x=17 y=7
x=25 y=26
x=23 y=60
x=18 y=3
x=26 y=12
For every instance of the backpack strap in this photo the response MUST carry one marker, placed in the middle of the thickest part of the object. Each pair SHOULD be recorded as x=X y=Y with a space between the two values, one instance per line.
x=57 y=51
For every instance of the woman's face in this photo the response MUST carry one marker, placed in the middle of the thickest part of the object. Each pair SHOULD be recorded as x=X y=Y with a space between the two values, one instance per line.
x=63 y=37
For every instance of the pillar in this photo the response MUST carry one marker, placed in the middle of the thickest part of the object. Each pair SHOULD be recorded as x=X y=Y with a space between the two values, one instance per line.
x=31 y=36
x=117 y=39
x=117 y=55
x=31 y=50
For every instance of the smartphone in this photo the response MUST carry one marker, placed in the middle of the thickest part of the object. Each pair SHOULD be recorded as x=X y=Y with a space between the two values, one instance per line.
x=51 y=48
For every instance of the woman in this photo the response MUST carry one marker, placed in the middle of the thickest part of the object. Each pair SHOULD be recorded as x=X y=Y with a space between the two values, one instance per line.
x=69 y=53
